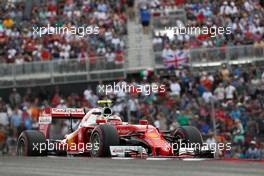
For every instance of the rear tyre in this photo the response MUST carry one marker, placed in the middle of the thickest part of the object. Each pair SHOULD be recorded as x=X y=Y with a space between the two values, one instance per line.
x=29 y=143
x=103 y=136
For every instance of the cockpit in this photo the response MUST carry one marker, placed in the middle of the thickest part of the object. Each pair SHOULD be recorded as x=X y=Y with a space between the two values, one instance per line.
x=99 y=115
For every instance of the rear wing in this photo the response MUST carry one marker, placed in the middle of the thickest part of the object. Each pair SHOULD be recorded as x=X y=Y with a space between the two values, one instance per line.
x=67 y=113
x=48 y=114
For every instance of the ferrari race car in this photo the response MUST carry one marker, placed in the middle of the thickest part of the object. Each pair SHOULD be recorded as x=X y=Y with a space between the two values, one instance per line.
x=99 y=133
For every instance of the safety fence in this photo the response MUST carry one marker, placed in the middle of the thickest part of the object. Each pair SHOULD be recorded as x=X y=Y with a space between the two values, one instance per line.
x=209 y=57
x=76 y=71
x=59 y=72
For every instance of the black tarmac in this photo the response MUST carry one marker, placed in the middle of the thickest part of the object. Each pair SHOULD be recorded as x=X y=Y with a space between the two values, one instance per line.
x=74 y=166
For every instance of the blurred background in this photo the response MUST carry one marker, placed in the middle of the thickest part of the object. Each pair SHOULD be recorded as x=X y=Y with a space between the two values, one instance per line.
x=213 y=83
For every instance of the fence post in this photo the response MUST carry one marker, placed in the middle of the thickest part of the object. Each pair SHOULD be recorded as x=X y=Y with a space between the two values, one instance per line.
x=14 y=74
x=51 y=70
x=212 y=101
x=87 y=66
x=190 y=59
x=228 y=56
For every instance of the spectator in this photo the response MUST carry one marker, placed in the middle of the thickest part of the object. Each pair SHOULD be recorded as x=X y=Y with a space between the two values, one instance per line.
x=204 y=127
x=225 y=9
x=253 y=152
x=145 y=18
x=207 y=96
x=131 y=9
x=175 y=87
x=161 y=122
x=225 y=73
x=4 y=119
x=16 y=121
x=62 y=104
x=220 y=92
x=183 y=119
x=14 y=98
x=230 y=92
x=26 y=118
x=133 y=106
x=238 y=132
x=260 y=126
x=110 y=58
x=210 y=139
x=168 y=56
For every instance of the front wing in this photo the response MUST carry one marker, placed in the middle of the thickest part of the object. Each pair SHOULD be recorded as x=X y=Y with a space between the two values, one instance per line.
x=140 y=152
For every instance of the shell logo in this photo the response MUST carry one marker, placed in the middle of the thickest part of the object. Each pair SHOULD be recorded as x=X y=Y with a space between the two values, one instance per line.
x=152 y=135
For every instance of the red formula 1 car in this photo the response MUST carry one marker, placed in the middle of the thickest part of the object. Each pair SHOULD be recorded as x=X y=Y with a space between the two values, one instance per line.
x=101 y=134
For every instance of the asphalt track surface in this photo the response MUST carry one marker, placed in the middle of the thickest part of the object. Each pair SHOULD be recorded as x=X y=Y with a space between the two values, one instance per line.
x=63 y=166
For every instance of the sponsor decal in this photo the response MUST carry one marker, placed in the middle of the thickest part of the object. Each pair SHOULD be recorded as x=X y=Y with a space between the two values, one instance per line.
x=68 y=111
x=45 y=119
x=121 y=151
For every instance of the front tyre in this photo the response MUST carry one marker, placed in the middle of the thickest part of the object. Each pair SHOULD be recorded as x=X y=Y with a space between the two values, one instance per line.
x=29 y=143
x=191 y=136
x=103 y=136
x=188 y=134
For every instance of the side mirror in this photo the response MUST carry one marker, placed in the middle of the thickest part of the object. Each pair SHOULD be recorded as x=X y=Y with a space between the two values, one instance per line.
x=98 y=121
x=143 y=122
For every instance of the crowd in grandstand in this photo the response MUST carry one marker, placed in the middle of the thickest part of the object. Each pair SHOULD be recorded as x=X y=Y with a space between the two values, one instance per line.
x=231 y=95
x=244 y=19
x=21 y=43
